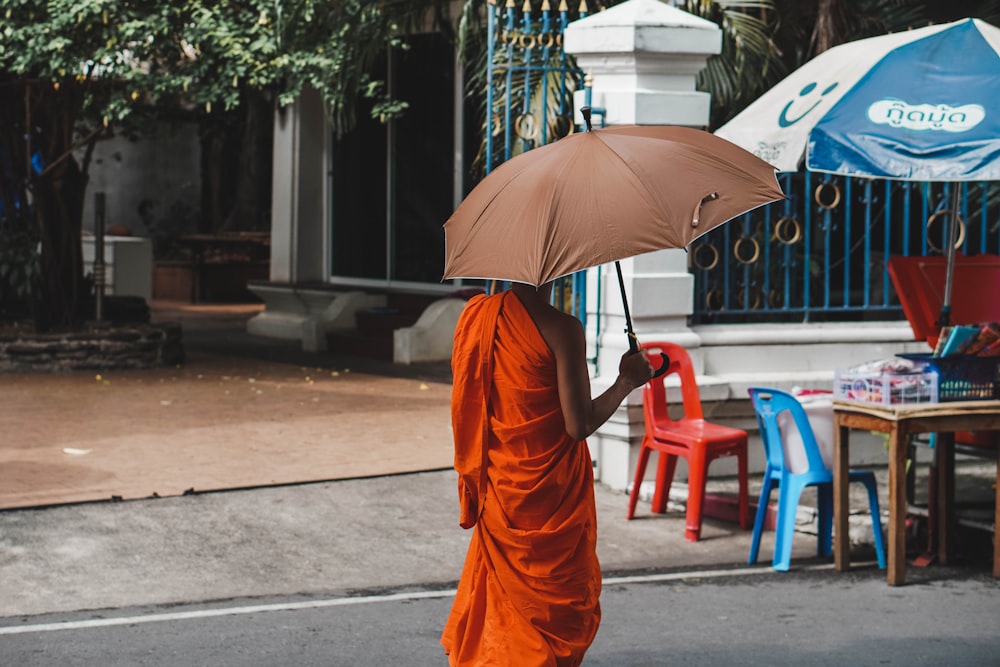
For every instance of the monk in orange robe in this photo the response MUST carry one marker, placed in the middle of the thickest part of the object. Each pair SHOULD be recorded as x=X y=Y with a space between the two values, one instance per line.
x=521 y=409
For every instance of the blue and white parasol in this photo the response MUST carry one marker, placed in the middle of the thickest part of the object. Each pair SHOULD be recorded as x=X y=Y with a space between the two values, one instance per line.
x=920 y=105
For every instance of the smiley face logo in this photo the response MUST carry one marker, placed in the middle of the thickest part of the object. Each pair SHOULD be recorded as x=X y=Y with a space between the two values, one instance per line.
x=783 y=118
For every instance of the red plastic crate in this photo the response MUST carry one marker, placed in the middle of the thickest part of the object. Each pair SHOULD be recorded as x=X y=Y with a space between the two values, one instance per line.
x=920 y=282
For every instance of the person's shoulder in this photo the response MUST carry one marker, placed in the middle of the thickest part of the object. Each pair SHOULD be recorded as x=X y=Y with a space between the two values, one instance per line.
x=475 y=303
x=571 y=322
x=471 y=312
x=563 y=329
x=478 y=299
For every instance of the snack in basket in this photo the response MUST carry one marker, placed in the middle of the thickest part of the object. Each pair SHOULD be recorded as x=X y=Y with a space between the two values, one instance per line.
x=887 y=381
x=942 y=340
x=991 y=350
x=959 y=337
x=988 y=334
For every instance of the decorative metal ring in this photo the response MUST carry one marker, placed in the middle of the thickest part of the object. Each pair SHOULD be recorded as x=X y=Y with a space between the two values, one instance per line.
x=526 y=41
x=701 y=265
x=757 y=298
x=525 y=126
x=781 y=235
x=818 y=195
x=775 y=299
x=738 y=255
x=497 y=125
x=546 y=40
x=713 y=299
x=509 y=38
x=561 y=126
x=961 y=229
x=559 y=39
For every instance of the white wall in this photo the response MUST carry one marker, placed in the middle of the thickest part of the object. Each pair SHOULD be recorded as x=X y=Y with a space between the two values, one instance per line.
x=164 y=169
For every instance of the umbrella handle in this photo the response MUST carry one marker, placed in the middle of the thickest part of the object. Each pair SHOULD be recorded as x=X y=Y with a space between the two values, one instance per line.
x=664 y=365
x=633 y=346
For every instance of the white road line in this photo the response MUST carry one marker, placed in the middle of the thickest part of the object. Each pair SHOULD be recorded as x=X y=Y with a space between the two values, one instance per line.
x=704 y=574
x=340 y=602
x=222 y=611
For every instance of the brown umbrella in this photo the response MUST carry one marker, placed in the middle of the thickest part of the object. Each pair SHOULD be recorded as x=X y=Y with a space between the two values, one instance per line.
x=601 y=196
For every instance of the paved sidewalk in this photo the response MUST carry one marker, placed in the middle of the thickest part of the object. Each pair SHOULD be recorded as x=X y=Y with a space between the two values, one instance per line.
x=315 y=539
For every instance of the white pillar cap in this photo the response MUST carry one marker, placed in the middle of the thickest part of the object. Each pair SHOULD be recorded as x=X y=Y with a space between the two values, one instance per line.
x=645 y=26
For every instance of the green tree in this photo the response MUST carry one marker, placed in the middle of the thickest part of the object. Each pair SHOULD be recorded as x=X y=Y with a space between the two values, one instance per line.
x=800 y=30
x=74 y=71
x=763 y=40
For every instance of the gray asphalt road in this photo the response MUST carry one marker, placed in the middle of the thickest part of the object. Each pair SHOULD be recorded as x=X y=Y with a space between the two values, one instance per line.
x=734 y=617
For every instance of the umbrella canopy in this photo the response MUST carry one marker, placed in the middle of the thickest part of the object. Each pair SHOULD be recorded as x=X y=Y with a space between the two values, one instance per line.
x=599 y=196
x=917 y=105
x=921 y=105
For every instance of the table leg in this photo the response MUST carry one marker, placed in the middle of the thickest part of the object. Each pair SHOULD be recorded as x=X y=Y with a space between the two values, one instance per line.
x=945 y=455
x=996 y=523
x=197 y=269
x=896 y=575
x=841 y=530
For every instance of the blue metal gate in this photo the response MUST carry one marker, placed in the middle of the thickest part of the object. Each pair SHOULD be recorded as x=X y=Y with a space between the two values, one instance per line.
x=532 y=80
x=822 y=254
x=530 y=96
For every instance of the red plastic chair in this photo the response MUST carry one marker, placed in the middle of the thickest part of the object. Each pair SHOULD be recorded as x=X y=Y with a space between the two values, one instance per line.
x=700 y=442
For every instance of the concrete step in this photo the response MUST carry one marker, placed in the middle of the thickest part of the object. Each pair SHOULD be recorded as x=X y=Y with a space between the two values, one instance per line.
x=358 y=344
x=801 y=349
x=373 y=336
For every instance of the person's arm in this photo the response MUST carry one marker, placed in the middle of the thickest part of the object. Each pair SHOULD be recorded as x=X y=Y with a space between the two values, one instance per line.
x=584 y=414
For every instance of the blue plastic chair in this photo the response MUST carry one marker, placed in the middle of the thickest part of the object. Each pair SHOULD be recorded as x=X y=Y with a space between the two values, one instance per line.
x=768 y=404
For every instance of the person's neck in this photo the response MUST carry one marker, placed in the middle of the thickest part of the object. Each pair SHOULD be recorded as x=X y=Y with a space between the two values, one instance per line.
x=526 y=293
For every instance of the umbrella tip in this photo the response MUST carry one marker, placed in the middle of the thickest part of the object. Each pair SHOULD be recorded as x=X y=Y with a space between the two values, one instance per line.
x=586 y=117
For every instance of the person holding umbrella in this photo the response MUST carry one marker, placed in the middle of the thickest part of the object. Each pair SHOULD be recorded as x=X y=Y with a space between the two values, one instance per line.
x=521 y=400
x=521 y=411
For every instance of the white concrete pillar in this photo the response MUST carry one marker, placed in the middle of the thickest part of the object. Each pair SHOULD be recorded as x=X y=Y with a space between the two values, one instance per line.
x=299 y=213
x=294 y=308
x=641 y=58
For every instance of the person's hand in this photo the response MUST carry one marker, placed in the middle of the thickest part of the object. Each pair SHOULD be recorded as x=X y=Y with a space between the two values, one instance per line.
x=634 y=369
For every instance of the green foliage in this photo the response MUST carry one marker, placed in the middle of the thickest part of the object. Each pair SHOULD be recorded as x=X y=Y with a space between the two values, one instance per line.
x=201 y=53
x=748 y=64
x=20 y=268
x=74 y=70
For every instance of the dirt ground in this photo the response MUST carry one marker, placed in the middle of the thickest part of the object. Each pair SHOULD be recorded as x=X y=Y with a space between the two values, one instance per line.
x=240 y=412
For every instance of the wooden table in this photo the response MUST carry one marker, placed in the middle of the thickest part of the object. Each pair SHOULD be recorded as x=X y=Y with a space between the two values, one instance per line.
x=225 y=248
x=899 y=422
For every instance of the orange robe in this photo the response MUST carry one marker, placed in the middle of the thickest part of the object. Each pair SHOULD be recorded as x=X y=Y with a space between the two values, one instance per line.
x=530 y=588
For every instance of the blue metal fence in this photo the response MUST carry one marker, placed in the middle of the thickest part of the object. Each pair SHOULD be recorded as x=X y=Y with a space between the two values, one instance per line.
x=530 y=99
x=821 y=255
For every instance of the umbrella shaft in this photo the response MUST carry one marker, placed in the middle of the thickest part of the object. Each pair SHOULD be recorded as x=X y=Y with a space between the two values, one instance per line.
x=632 y=344
x=950 y=252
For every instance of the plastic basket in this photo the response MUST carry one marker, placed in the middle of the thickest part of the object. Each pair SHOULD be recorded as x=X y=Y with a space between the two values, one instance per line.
x=886 y=388
x=963 y=377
